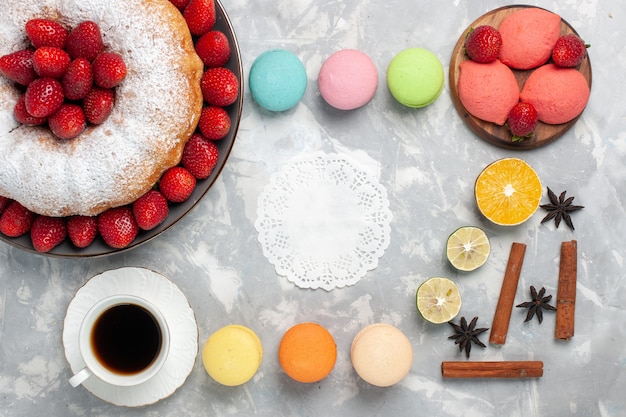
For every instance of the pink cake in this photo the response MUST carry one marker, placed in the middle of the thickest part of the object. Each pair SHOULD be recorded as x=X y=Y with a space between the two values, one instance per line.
x=528 y=37
x=558 y=94
x=488 y=91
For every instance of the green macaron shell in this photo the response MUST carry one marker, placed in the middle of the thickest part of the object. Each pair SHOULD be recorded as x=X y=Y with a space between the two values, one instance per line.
x=415 y=77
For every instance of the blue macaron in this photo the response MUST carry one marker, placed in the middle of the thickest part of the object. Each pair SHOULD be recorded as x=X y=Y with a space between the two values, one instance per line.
x=277 y=80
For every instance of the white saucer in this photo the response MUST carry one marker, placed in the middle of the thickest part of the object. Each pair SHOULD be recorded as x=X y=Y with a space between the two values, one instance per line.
x=179 y=315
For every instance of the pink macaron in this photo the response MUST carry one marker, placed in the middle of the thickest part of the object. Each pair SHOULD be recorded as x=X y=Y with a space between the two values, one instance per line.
x=348 y=79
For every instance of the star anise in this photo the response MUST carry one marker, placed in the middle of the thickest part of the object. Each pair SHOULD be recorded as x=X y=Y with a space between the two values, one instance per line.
x=466 y=334
x=538 y=303
x=559 y=209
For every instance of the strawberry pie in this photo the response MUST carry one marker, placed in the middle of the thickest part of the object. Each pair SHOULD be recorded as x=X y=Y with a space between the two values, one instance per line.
x=146 y=106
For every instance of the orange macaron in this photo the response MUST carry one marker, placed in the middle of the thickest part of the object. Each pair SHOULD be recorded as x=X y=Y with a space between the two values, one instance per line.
x=307 y=352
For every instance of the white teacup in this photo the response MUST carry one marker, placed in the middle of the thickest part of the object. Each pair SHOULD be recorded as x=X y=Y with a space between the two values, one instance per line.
x=123 y=340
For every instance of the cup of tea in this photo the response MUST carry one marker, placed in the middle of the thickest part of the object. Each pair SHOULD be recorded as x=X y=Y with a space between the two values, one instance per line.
x=123 y=340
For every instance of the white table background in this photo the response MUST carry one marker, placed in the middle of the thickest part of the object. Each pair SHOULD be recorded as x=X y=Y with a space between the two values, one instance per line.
x=427 y=159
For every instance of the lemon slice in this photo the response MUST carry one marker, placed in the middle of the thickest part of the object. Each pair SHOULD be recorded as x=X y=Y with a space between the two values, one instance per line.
x=468 y=248
x=438 y=300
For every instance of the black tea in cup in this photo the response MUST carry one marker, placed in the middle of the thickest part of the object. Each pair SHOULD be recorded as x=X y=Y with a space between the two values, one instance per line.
x=126 y=339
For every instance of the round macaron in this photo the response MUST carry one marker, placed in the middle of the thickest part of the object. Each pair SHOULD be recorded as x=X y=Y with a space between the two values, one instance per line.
x=277 y=80
x=307 y=352
x=348 y=79
x=415 y=77
x=381 y=354
x=232 y=355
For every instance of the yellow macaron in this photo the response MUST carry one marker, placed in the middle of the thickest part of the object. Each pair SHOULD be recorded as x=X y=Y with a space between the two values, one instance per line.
x=232 y=355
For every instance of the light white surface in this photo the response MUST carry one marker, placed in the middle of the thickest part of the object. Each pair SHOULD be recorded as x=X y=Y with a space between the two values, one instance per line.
x=428 y=160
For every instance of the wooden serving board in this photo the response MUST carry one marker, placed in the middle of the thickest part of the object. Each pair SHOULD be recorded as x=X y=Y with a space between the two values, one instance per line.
x=491 y=132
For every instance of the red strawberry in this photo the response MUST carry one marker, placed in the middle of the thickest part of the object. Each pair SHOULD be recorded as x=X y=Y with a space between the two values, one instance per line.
x=85 y=41
x=150 y=210
x=47 y=232
x=200 y=16
x=483 y=44
x=220 y=86
x=200 y=156
x=4 y=203
x=43 y=97
x=98 y=105
x=118 y=227
x=78 y=79
x=45 y=32
x=177 y=184
x=214 y=122
x=16 y=220
x=52 y=62
x=68 y=122
x=180 y=4
x=22 y=115
x=213 y=49
x=522 y=121
x=18 y=66
x=82 y=230
x=109 y=69
x=569 y=51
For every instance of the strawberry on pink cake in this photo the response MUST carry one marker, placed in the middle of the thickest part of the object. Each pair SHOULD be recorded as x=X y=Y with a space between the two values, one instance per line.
x=488 y=91
x=528 y=37
x=558 y=94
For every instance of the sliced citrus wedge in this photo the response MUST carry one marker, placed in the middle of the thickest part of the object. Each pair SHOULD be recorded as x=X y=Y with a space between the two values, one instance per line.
x=438 y=300
x=508 y=191
x=468 y=248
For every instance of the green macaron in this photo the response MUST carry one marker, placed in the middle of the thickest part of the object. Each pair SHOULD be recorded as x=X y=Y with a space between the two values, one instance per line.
x=415 y=77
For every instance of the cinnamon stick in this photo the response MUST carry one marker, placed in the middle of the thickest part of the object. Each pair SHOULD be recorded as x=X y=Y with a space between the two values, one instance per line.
x=566 y=291
x=502 y=316
x=503 y=369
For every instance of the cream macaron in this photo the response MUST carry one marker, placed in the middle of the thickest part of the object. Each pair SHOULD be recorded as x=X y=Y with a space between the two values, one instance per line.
x=381 y=354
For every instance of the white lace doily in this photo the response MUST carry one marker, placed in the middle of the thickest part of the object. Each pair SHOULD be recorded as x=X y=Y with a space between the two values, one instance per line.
x=323 y=222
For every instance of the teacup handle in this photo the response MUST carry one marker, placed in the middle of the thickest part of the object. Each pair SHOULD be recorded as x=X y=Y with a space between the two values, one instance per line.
x=80 y=377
